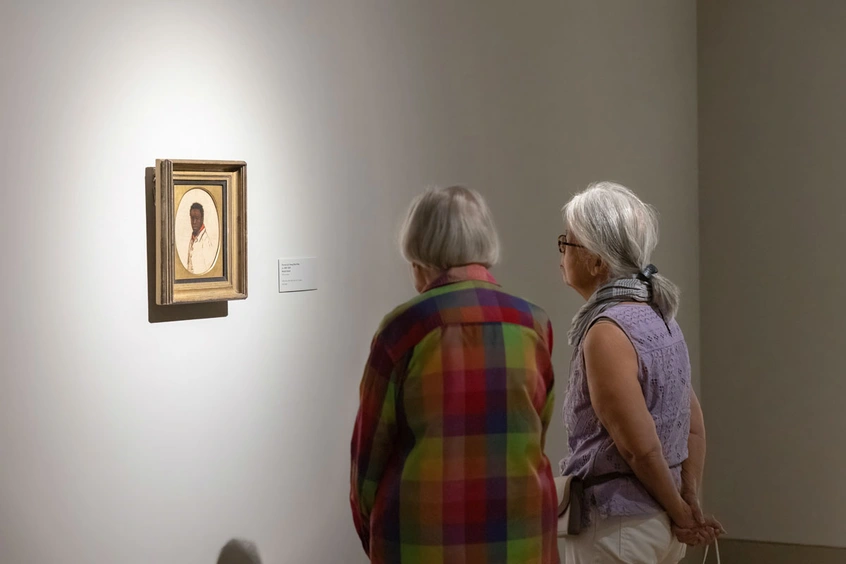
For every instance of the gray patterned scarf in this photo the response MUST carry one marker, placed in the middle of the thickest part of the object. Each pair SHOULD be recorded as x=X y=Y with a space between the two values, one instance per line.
x=614 y=292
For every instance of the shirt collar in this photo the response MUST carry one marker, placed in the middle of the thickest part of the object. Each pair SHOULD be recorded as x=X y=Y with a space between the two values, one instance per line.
x=465 y=273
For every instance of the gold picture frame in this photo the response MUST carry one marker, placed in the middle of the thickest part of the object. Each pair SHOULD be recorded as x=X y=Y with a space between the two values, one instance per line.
x=201 y=231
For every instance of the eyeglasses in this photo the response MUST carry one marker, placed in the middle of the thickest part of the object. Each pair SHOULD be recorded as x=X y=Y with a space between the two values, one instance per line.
x=563 y=244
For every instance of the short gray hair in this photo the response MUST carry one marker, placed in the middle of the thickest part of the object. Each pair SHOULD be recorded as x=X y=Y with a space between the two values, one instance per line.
x=448 y=227
x=612 y=222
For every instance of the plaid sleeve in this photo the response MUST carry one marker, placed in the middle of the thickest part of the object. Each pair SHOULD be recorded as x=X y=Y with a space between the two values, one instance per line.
x=548 y=408
x=373 y=436
x=549 y=380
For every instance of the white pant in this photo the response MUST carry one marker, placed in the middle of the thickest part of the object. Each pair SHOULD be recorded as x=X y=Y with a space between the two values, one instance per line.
x=626 y=540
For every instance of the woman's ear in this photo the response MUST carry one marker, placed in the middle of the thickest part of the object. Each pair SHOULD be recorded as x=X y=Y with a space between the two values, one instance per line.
x=421 y=275
x=598 y=266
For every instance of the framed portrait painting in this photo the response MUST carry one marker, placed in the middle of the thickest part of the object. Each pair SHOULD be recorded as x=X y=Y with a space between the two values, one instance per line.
x=201 y=231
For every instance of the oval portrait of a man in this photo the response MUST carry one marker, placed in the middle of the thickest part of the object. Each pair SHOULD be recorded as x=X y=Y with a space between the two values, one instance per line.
x=197 y=231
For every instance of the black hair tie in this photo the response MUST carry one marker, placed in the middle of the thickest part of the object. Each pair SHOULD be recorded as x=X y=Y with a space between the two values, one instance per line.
x=647 y=273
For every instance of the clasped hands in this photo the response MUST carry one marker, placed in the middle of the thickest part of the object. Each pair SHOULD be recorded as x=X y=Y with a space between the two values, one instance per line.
x=692 y=527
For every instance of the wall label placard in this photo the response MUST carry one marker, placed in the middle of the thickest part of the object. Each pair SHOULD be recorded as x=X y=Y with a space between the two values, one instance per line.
x=297 y=274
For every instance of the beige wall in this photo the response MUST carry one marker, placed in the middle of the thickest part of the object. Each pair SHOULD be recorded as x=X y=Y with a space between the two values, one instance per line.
x=772 y=143
x=130 y=442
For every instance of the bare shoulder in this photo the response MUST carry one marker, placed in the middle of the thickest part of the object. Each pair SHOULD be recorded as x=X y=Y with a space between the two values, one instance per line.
x=608 y=351
x=606 y=336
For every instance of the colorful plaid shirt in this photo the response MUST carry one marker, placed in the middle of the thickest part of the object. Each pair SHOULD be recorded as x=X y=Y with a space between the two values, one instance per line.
x=447 y=453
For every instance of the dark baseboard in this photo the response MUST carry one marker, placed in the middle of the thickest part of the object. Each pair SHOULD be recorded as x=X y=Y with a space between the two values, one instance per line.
x=753 y=552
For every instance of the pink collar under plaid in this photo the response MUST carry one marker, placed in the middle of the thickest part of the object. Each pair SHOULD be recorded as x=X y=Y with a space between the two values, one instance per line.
x=462 y=274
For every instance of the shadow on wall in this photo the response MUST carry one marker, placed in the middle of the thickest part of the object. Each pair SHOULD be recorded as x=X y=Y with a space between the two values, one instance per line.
x=180 y=312
x=239 y=551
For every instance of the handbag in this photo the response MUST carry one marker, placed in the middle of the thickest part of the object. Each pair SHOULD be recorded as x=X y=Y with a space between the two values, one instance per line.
x=570 y=492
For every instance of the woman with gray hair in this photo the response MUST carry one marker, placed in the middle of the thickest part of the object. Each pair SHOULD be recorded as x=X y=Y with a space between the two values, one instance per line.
x=448 y=459
x=635 y=427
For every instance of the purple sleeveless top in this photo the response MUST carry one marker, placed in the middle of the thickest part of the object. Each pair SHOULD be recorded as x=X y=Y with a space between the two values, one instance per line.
x=664 y=375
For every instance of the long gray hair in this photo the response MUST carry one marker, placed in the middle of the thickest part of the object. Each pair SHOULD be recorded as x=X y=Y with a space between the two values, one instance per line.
x=609 y=220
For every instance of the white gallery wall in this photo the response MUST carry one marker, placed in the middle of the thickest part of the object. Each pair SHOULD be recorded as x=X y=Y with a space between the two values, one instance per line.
x=772 y=144
x=126 y=441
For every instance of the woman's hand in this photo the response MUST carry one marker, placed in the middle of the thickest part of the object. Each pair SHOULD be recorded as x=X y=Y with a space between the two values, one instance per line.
x=700 y=536
x=684 y=516
x=691 y=527
x=689 y=496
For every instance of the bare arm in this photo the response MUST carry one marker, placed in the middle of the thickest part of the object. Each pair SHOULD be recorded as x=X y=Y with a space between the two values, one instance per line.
x=693 y=467
x=692 y=471
x=617 y=399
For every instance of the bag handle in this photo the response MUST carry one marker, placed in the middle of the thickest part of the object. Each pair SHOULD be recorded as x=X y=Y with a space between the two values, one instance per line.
x=717 y=547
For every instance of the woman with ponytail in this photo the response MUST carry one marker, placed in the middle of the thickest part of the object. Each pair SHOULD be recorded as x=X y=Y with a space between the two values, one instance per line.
x=635 y=428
